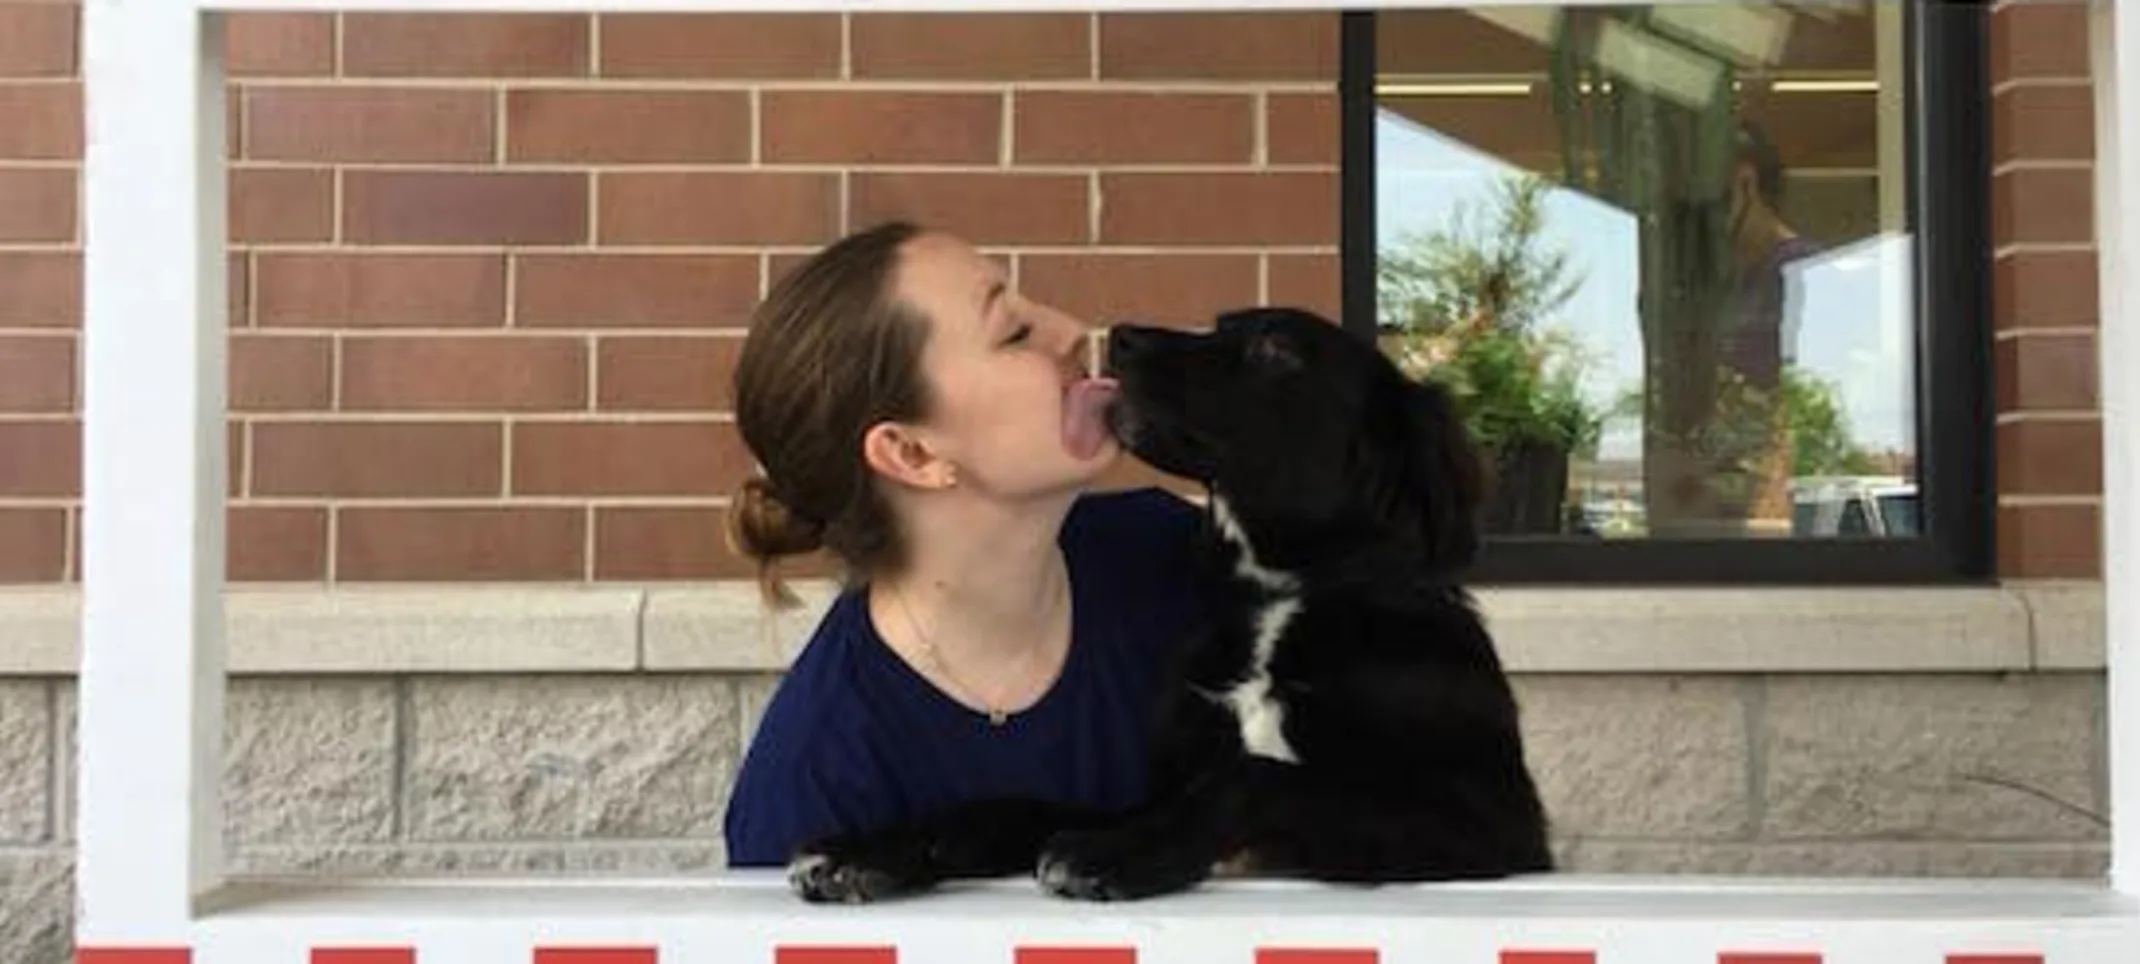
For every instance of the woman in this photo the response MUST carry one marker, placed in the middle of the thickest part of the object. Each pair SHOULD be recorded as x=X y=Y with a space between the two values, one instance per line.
x=1000 y=629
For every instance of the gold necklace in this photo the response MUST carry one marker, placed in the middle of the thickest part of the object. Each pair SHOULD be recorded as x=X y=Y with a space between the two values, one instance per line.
x=997 y=715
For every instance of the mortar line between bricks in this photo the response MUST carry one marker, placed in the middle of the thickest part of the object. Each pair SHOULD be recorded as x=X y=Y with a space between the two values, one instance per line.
x=2017 y=249
x=594 y=212
x=469 y=417
x=252 y=267
x=587 y=543
x=593 y=343
x=794 y=85
x=335 y=353
x=2024 y=501
x=2059 y=331
x=1260 y=150
x=2020 y=165
x=332 y=502
x=1007 y=137
x=757 y=126
x=519 y=252
x=2049 y=415
x=594 y=44
x=245 y=477
x=1095 y=207
x=40 y=501
x=505 y=459
x=70 y=528
x=2065 y=83
x=992 y=164
x=1092 y=46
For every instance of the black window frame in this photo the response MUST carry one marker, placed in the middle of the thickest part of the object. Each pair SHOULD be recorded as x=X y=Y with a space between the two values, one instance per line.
x=1948 y=197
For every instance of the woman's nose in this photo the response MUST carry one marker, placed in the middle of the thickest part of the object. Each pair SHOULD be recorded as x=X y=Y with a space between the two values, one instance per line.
x=1066 y=335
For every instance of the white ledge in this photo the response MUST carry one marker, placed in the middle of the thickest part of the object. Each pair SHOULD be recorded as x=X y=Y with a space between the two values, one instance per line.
x=722 y=627
x=751 y=916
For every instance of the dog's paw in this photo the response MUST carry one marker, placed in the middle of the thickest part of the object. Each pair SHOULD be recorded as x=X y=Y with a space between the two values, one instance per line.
x=1065 y=874
x=834 y=874
x=1100 y=867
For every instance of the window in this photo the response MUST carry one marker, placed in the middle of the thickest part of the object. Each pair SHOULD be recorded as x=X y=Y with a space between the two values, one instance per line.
x=1710 y=278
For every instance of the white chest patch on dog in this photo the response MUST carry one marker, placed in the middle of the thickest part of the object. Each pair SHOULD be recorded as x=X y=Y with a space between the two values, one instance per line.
x=1247 y=567
x=1260 y=717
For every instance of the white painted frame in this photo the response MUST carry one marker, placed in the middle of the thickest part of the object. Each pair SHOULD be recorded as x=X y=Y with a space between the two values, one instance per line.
x=150 y=870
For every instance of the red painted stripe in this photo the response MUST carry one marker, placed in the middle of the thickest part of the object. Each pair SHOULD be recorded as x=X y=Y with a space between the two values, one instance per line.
x=363 y=955
x=1076 y=955
x=1549 y=957
x=1312 y=955
x=835 y=955
x=133 y=955
x=1766 y=958
x=595 y=955
x=1995 y=959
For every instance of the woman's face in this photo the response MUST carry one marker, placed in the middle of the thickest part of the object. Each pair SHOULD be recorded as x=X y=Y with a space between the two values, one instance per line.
x=1014 y=410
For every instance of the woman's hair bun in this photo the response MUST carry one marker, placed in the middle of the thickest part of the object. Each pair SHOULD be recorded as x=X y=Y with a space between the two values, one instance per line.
x=765 y=529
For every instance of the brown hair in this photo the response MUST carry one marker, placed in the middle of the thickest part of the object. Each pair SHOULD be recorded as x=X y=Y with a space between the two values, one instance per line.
x=831 y=351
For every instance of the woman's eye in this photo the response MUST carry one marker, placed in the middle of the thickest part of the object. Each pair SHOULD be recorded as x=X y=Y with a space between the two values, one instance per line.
x=1019 y=335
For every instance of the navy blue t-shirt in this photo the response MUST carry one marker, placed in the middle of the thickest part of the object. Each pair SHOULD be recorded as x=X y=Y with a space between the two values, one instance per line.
x=853 y=738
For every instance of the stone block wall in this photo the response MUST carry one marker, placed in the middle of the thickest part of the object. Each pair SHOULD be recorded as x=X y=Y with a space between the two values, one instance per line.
x=1771 y=774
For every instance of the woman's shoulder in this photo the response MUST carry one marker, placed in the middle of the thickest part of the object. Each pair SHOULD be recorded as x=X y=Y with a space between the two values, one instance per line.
x=822 y=674
x=806 y=747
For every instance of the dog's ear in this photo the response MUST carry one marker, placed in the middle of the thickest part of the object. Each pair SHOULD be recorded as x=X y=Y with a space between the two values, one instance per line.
x=1439 y=479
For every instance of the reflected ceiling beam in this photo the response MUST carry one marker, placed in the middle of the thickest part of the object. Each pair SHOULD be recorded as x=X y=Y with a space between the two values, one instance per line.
x=1749 y=34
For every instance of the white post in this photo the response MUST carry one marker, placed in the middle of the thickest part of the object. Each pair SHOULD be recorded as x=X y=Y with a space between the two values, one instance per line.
x=154 y=472
x=2116 y=48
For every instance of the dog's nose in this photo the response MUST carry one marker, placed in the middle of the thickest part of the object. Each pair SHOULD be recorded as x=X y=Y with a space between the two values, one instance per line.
x=1125 y=341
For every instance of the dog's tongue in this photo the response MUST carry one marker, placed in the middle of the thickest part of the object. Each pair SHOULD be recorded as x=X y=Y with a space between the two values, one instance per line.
x=1085 y=415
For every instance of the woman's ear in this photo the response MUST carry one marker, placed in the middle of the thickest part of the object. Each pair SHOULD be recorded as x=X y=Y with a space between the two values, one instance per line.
x=899 y=453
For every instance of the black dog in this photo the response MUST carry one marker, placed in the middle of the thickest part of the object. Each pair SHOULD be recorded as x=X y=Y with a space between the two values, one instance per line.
x=1344 y=717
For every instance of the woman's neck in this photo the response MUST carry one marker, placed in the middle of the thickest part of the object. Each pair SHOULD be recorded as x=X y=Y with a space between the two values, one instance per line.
x=987 y=592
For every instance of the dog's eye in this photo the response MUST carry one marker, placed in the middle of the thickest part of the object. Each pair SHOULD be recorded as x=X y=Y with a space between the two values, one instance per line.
x=1272 y=353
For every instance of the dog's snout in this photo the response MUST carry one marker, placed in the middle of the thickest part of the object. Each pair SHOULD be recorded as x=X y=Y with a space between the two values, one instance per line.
x=1124 y=343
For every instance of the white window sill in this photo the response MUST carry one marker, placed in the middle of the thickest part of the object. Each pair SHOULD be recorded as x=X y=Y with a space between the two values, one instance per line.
x=745 y=916
x=701 y=627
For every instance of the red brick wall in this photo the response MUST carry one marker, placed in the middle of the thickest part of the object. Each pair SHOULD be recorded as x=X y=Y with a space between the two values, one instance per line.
x=489 y=273
x=2044 y=290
